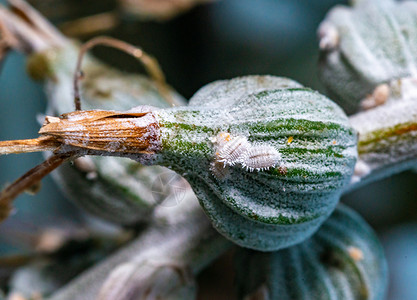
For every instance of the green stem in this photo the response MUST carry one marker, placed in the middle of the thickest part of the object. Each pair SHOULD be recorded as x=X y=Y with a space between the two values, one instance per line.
x=387 y=141
x=178 y=237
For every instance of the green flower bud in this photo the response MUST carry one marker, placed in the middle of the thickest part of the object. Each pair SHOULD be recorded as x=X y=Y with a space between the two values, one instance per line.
x=267 y=158
x=343 y=260
x=366 y=46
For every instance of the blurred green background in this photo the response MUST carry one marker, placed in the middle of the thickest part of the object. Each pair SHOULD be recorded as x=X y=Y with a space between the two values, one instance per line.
x=221 y=40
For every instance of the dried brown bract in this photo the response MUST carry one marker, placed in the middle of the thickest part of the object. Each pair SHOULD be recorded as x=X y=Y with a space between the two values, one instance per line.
x=104 y=132
x=79 y=133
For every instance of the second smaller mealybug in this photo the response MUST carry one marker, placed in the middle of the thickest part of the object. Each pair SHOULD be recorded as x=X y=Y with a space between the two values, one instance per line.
x=260 y=157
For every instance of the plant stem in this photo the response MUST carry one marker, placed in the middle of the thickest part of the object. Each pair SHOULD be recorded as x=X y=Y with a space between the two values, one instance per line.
x=151 y=65
x=180 y=235
x=387 y=141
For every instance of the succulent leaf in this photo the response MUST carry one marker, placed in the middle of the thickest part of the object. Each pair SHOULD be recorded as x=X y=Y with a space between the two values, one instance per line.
x=372 y=43
x=342 y=260
x=270 y=206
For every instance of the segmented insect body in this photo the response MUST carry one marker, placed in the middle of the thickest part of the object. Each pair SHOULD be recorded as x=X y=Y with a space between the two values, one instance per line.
x=238 y=150
x=260 y=157
x=230 y=152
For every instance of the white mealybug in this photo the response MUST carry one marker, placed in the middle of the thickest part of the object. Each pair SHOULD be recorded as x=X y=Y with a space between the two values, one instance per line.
x=260 y=157
x=230 y=151
x=238 y=150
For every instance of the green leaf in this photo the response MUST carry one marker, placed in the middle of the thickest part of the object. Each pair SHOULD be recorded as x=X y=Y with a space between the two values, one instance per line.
x=373 y=42
x=343 y=260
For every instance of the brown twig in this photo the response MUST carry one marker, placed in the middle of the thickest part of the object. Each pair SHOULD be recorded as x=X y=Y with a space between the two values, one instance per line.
x=29 y=30
x=90 y=25
x=32 y=177
x=29 y=40
x=150 y=64
x=79 y=133
x=33 y=18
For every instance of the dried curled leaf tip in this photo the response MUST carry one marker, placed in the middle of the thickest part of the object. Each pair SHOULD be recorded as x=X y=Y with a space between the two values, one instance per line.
x=105 y=131
x=79 y=133
x=123 y=133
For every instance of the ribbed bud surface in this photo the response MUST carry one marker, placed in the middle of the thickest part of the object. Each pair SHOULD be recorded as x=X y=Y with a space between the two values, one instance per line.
x=300 y=149
x=342 y=261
